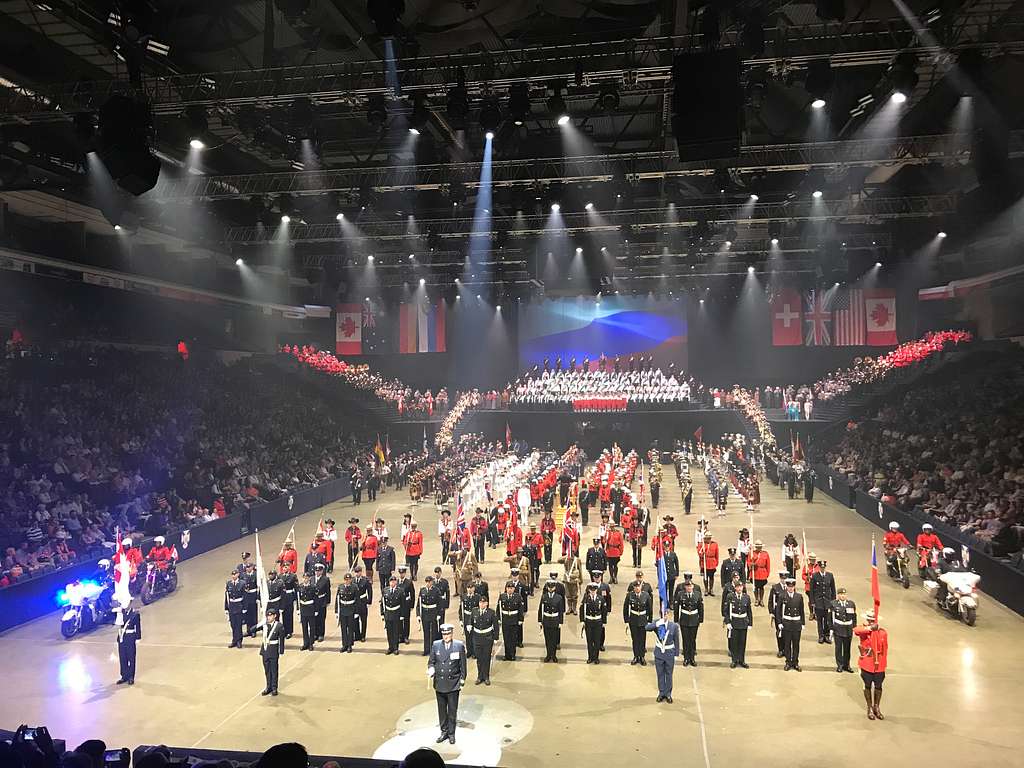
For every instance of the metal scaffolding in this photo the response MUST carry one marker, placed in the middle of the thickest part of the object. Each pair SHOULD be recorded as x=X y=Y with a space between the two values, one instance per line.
x=641 y=65
x=907 y=150
x=857 y=210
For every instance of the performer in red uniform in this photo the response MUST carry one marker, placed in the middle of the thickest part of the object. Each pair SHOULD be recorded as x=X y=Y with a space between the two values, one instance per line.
x=413 y=543
x=160 y=554
x=927 y=541
x=513 y=538
x=707 y=557
x=874 y=652
x=760 y=569
x=288 y=560
x=614 y=545
x=547 y=531
x=369 y=551
x=352 y=536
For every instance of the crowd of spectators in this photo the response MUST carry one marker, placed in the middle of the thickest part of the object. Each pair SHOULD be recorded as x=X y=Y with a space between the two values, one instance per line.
x=94 y=441
x=953 y=447
x=408 y=402
x=648 y=388
x=446 y=432
x=798 y=401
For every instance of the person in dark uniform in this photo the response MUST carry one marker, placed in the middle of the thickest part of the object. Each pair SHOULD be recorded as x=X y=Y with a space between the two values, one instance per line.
x=129 y=632
x=823 y=592
x=604 y=591
x=689 y=610
x=271 y=650
x=485 y=633
x=345 y=609
x=481 y=587
x=391 y=613
x=364 y=596
x=791 y=484
x=671 y=574
x=596 y=560
x=309 y=608
x=774 y=595
x=738 y=617
x=428 y=611
x=444 y=592
x=251 y=598
x=655 y=490
x=550 y=615
x=559 y=588
x=274 y=589
x=688 y=498
x=688 y=576
x=289 y=596
x=532 y=552
x=468 y=603
x=666 y=648
x=322 y=582
x=637 y=613
x=405 y=586
x=234 y=607
x=511 y=613
x=844 y=616
x=732 y=564
x=447 y=668
x=583 y=501
x=594 y=615
x=789 y=620
x=385 y=562
x=524 y=595
x=809 y=477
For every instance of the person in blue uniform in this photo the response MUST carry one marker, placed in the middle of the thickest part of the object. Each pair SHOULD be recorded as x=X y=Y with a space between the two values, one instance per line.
x=447 y=668
x=129 y=632
x=273 y=647
x=666 y=648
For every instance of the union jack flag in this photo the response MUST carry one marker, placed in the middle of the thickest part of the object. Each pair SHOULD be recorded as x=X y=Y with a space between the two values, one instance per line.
x=460 y=515
x=817 y=319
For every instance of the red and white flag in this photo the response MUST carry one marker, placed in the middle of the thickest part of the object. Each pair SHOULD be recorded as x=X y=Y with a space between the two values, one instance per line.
x=880 y=316
x=848 y=318
x=508 y=436
x=348 y=337
x=122 y=573
x=787 y=327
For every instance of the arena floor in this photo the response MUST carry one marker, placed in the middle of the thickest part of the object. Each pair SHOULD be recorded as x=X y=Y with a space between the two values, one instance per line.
x=951 y=692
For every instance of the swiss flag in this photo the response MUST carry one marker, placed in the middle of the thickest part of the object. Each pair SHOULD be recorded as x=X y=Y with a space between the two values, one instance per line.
x=787 y=325
x=348 y=335
x=880 y=314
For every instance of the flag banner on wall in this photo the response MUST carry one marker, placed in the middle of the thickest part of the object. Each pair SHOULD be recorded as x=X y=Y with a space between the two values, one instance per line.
x=848 y=318
x=880 y=314
x=348 y=335
x=817 y=319
x=787 y=329
x=422 y=328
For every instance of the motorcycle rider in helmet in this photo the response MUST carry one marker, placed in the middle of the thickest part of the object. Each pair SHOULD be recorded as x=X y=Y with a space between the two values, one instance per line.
x=927 y=540
x=947 y=564
x=891 y=541
x=104 y=577
x=160 y=555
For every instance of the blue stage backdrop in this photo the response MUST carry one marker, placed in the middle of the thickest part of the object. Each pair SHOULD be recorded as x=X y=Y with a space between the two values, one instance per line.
x=617 y=325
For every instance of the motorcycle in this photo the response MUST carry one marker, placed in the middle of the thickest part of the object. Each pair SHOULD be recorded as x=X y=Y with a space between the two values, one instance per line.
x=899 y=567
x=961 y=598
x=88 y=606
x=159 y=582
x=927 y=561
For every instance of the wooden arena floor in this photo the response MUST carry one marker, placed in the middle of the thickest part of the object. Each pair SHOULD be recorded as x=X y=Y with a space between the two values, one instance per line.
x=952 y=692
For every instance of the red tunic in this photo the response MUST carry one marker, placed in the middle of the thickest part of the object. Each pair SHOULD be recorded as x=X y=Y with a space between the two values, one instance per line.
x=614 y=544
x=413 y=543
x=369 y=547
x=874 y=648
x=513 y=540
x=760 y=564
x=707 y=555
x=289 y=561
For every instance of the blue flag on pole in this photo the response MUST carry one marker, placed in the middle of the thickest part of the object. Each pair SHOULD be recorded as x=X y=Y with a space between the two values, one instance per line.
x=662 y=580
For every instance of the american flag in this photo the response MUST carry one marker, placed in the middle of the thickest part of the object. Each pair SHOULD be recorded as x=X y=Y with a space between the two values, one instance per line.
x=817 y=319
x=848 y=318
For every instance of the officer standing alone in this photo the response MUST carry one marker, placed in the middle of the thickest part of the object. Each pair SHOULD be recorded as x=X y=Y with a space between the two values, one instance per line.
x=666 y=648
x=844 y=616
x=428 y=611
x=447 y=668
x=637 y=613
x=273 y=647
x=789 y=620
x=738 y=617
x=550 y=615
x=391 y=612
x=129 y=632
x=689 y=610
x=234 y=607
x=511 y=612
x=345 y=609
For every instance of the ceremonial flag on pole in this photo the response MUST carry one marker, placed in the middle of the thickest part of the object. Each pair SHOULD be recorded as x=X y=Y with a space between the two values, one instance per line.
x=698 y=433
x=122 y=573
x=387 y=446
x=460 y=515
x=662 y=575
x=424 y=438
x=508 y=436
x=641 y=482
x=264 y=587
x=378 y=449
x=875 y=594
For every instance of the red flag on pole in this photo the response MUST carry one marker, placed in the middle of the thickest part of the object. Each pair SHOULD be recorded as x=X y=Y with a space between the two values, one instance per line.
x=698 y=433
x=508 y=436
x=875 y=594
x=787 y=325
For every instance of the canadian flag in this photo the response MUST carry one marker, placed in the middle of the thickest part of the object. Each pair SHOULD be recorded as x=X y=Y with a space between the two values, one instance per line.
x=348 y=336
x=787 y=325
x=880 y=314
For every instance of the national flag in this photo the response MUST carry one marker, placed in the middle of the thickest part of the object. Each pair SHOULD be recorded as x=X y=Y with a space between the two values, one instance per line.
x=875 y=593
x=378 y=450
x=662 y=577
x=508 y=436
x=698 y=433
x=387 y=446
x=422 y=327
x=264 y=587
x=848 y=318
x=785 y=309
x=817 y=319
x=460 y=515
x=794 y=445
x=880 y=316
x=122 y=573
x=348 y=334
x=174 y=553
x=290 y=537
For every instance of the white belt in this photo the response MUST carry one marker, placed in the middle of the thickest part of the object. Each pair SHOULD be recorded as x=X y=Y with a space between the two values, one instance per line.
x=348 y=602
x=689 y=613
x=424 y=605
x=129 y=632
x=589 y=617
x=546 y=613
x=251 y=591
x=737 y=615
x=792 y=618
x=235 y=599
x=392 y=608
x=289 y=591
x=306 y=602
x=665 y=647
x=846 y=623
x=638 y=613
x=485 y=630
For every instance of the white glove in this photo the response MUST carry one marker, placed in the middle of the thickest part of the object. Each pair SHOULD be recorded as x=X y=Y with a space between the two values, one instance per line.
x=780 y=626
x=430 y=671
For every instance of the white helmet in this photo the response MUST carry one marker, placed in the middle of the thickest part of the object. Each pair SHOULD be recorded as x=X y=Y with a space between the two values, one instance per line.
x=158 y=540
x=894 y=526
x=104 y=563
x=126 y=543
x=926 y=527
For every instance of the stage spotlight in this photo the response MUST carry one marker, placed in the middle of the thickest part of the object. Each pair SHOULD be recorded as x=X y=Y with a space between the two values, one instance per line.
x=609 y=96
x=420 y=115
x=340 y=217
x=750 y=269
x=556 y=104
x=942 y=235
x=589 y=206
x=302 y=120
x=117 y=227
x=423 y=281
x=898 y=97
x=369 y=259
x=878 y=264
x=519 y=103
x=490 y=115
x=285 y=218
x=728 y=243
x=414 y=131
x=818 y=104
x=412 y=257
x=775 y=241
x=196 y=120
x=555 y=207
x=819 y=81
x=702 y=301
x=579 y=250
x=754 y=197
x=197 y=144
x=816 y=194
x=125 y=126
x=498 y=308
x=902 y=76
x=239 y=262
x=563 y=119
x=489 y=135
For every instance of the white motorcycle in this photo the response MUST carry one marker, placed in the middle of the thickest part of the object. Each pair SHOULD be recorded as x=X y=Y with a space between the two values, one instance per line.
x=87 y=605
x=961 y=599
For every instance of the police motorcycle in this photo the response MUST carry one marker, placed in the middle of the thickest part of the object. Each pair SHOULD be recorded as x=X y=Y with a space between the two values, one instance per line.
x=954 y=588
x=87 y=602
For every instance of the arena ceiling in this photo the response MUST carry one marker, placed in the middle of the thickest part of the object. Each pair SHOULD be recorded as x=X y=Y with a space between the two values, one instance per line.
x=258 y=77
